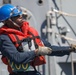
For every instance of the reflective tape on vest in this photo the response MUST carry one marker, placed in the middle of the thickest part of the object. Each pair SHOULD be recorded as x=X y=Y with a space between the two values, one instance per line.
x=18 y=67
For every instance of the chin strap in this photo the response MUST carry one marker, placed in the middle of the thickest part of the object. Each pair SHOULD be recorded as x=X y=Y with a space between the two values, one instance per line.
x=14 y=23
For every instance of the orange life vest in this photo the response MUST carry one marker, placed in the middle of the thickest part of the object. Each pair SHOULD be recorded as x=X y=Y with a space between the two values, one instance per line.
x=27 y=32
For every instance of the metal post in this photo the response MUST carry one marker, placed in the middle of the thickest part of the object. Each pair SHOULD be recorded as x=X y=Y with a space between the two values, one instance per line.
x=72 y=64
x=48 y=38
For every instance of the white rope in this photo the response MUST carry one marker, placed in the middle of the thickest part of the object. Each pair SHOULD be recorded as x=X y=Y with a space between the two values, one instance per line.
x=66 y=38
x=63 y=13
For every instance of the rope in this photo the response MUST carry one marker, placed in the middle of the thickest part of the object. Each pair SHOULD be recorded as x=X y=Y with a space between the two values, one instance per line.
x=66 y=38
x=63 y=13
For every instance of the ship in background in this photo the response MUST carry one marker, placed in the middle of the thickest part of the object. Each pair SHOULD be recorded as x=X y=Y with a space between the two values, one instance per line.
x=55 y=22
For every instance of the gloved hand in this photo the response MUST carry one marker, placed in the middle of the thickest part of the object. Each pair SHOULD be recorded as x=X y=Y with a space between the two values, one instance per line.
x=73 y=47
x=43 y=50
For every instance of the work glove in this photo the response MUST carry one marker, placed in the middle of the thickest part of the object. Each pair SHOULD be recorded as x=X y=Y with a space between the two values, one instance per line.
x=43 y=50
x=73 y=47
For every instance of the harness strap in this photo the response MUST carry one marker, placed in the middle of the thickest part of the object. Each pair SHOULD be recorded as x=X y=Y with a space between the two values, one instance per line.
x=36 y=46
x=20 y=49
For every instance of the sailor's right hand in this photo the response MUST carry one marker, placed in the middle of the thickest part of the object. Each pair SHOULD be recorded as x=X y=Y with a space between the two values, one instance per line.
x=43 y=50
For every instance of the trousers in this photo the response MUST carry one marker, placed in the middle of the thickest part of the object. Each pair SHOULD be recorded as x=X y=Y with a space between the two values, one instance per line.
x=26 y=73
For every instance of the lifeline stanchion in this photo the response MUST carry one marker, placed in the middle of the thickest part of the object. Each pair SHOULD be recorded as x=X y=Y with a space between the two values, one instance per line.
x=72 y=64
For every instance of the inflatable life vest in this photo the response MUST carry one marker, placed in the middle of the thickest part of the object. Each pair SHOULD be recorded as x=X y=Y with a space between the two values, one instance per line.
x=17 y=37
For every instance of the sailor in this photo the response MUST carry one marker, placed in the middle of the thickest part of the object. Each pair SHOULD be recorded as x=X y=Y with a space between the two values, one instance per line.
x=20 y=44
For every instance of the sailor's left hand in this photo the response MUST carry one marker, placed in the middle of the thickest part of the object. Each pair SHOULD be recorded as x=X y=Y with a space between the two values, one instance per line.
x=73 y=47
